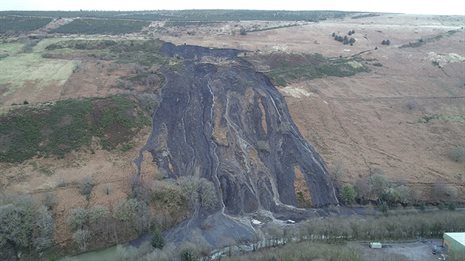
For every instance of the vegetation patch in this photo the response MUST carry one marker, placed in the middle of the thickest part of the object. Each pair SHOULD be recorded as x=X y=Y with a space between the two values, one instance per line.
x=58 y=128
x=452 y=118
x=23 y=64
x=192 y=15
x=126 y=51
x=15 y=24
x=26 y=227
x=101 y=26
x=423 y=41
x=287 y=68
x=365 y=15
x=189 y=23
x=304 y=251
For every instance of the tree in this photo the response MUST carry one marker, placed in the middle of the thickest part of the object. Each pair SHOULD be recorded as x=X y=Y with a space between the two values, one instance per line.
x=43 y=232
x=16 y=227
x=348 y=194
x=77 y=218
x=199 y=192
x=406 y=195
x=444 y=192
x=96 y=213
x=345 y=40
x=208 y=198
x=86 y=186
x=386 y=42
x=82 y=238
x=363 y=189
x=134 y=212
x=351 y=41
x=157 y=239
x=379 y=183
x=23 y=225
x=50 y=200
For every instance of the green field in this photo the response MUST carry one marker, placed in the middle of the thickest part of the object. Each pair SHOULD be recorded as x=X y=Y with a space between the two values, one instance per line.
x=19 y=68
x=101 y=26
x=288 y=68
x=22 y=24
x=143 y=52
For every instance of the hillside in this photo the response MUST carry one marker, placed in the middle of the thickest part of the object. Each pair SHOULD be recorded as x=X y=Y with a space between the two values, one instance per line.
x=212 y=127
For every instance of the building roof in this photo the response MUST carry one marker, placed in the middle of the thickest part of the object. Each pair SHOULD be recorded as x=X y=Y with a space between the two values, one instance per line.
x=457 y=236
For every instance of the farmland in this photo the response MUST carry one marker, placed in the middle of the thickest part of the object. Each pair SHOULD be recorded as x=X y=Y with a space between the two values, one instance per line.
x=101 y=26
x=14 y=24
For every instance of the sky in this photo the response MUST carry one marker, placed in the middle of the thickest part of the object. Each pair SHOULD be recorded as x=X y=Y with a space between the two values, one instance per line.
x=442 y=7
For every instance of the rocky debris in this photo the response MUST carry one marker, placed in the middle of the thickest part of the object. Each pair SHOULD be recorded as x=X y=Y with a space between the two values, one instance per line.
x=228 y=124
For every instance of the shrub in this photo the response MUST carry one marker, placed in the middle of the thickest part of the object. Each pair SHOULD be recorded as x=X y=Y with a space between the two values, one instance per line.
x=208 y=198
x=157 y=239
x=457 y=154
x=23 y=226
x=348 y=194
x=29 y=45
x=363 y=189
x=405 y=194
x=44 y=229
x=189 y=252
x=379 y=183
x=139 y=190
x=77 y=218
x=134 y=213
x=107 y=189
x=199 y=192
x=411 y=104
x=444 y=192
x=16 y=226
x=82 y=238
x=86 y=186
x=386 y=42
x=96 y=213
x=50 y=200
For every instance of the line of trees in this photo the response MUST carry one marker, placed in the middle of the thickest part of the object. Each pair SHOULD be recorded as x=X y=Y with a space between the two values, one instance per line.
x=388 y=227
x=386 y=42
x=378 y=189
x=345 y=39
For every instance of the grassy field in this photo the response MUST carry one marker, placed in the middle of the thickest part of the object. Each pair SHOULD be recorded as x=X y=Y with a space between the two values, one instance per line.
x=304 y=251
x=287 y=68
x=19 y=68
x=21 y=24
x=101 y=26
x=124 y=51
x=55 y=129
x=7 y=49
